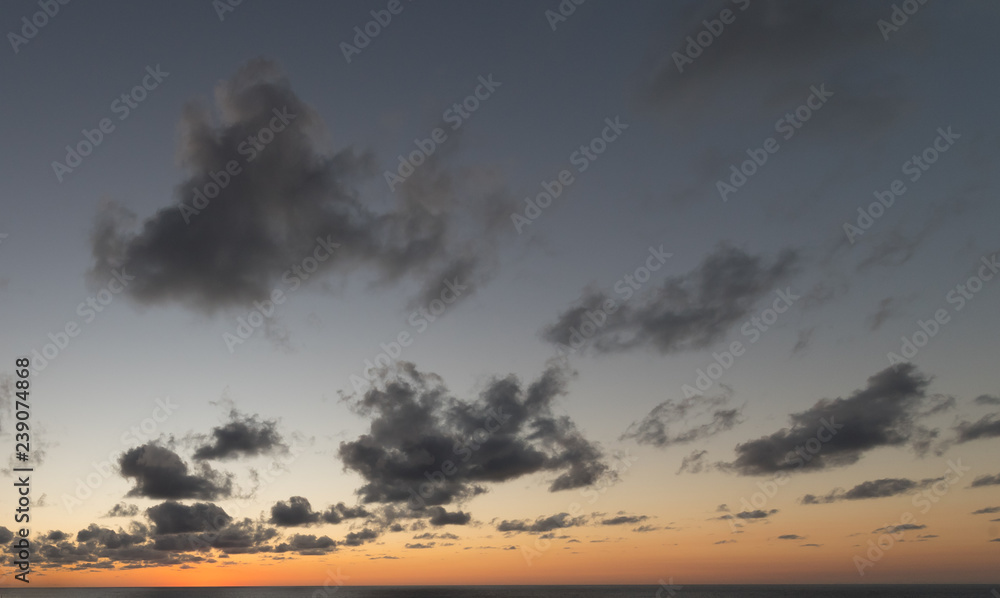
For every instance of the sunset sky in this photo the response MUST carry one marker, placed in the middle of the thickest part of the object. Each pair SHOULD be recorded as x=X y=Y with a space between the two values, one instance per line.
x=400 y=292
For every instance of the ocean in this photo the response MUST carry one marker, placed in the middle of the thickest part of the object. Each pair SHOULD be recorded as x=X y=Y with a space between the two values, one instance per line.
x=691 y=591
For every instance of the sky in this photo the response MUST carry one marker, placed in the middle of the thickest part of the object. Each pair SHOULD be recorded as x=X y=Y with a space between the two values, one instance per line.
x=395 y=292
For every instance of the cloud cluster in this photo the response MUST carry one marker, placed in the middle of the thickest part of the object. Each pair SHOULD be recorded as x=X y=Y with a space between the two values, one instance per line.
x=685 y=312
x=242 y=435
x=426 y=448
x=541 y=524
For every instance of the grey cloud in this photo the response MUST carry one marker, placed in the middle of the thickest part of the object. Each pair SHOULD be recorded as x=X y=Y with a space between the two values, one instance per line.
x=684 y=313
x=657 y=428
x=160 y=473
x=880 y=488
x=242 y=435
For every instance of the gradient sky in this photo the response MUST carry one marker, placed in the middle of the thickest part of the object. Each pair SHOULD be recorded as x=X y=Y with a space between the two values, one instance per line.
x=649 y=418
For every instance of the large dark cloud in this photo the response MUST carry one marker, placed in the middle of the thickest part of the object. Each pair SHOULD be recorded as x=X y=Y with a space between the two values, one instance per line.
x=884 y=413
x=307 y=544
x=871 y=489
x=427 y=448
x=160 y=473
x=174 y=518
x=541 y=524
x=242 y=435
x=296 y=512
x=702 y=417
x=439 y=516
x=685 y=312
x=288 y=198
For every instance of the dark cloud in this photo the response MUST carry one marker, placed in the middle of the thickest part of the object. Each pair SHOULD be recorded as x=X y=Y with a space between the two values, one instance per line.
x=439 y=517
x=881 y=414
x=174 y=518
x=696 y=462
x=6 y=535
x=360 y=537
x=987 y=511
x=903 y=527
x=987 y=426
x=710 y=415
x=625 y=519
x=161 y=473
x=427 y=448
x=986 y=480
x=987 y=400
x=296 y=512
x=541 y=524
x=885 y=310
x=307 y=544
x=242 y=435
x=791 y=537
x=683 y=313
x=123 y=510
x=419 y=545
x=289 y=202
x=53 y=536
x=872 y=489
x=756 y=514
x=339 y=512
